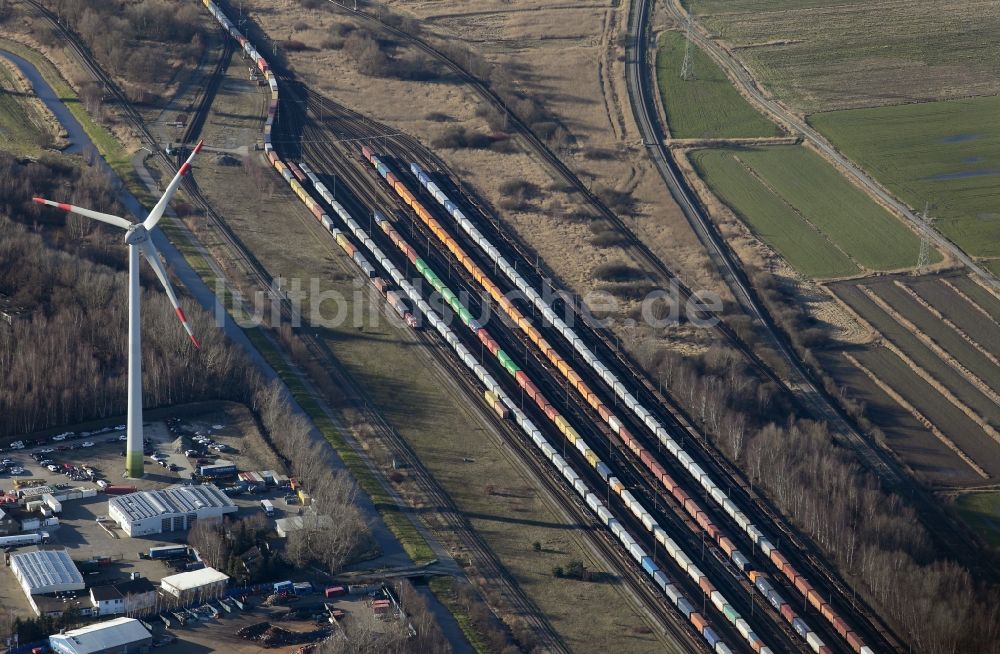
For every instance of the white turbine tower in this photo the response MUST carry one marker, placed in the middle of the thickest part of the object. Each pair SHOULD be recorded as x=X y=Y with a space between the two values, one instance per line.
x=137 y=237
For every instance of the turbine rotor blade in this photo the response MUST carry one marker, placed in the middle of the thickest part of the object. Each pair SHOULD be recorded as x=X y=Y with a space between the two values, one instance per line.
x=153 y=257
x=161 y=206
x=117 y=221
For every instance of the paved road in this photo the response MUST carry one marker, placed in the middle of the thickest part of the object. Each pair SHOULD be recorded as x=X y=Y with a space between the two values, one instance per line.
x=645 y=111
x=736 y=71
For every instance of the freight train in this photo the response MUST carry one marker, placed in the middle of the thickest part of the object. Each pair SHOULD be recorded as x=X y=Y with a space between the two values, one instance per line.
x=644 y=415
x=495 y=396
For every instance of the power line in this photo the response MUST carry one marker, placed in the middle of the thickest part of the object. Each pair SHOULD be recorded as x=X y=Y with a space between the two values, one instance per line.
x=924 y=258
x=687 y=68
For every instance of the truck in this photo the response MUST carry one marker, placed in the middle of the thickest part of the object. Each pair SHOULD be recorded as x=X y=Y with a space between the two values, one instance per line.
x=268 y=507
x=218 y=469
x=168 y=552
x=20 y=539
x=120 y=490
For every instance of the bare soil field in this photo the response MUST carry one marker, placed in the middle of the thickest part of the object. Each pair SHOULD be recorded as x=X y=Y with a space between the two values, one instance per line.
x=409 y=390
x=915 y=349
x=964 y=311
x=969 y=353
x=918 y=357
x=954 y=424
x=830 y=54
x=905 y=435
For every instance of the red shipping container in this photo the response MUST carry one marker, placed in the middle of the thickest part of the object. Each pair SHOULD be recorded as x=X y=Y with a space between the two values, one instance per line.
x=698 y=621
x=366 y=152
x=840 y=626
x=706 y=585
x=787 y=612
x=334 y=591
x=854 y=641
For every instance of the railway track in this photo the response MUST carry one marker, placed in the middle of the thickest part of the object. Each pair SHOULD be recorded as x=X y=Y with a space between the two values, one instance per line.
x=485 y=560
x=329 y=110
x=810 y=558
x=208 y=92
x=319 y=152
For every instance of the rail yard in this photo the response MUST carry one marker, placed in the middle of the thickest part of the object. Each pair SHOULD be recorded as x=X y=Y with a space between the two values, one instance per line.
x=698 y=549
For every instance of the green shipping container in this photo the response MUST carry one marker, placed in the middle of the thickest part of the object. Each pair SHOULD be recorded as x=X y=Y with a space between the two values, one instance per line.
x=730 y=613
x=507 y=362
x=421 y=266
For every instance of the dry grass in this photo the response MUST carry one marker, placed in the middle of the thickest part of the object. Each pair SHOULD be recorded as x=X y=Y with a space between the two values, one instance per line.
x=545 y=48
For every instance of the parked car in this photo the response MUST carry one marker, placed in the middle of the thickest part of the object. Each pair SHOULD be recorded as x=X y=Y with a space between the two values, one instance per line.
x=123 y=437
x=87 y=444
x=53 y=467
x=59 y=437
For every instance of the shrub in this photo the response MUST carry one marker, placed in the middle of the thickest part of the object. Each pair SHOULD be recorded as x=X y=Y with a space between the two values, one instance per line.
x=617 y=271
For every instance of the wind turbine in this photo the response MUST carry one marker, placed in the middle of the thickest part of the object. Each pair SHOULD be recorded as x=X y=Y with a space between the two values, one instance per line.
x=137 y=237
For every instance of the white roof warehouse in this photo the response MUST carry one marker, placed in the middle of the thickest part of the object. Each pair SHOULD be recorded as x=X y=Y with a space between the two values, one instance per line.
x=46 y=571
x=170 y=509
x=111 y=637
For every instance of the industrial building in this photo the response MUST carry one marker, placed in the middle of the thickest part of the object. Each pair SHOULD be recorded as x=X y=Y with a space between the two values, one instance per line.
x=43 y=573
x=170 y=509
x=112 y=637
x=203 y=584
x=133 y=597
x=46 y=571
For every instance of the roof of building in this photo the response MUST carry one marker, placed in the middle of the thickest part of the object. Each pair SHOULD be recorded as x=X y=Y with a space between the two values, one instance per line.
x=105 y=593
x=43 y=569
x=65 y=601
x=135 y=586
x=284 y=526
x=103 y=635
x=175 y=500
x=194 y=579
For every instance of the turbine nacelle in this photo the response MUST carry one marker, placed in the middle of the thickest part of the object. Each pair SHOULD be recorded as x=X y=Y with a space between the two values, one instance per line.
x=137 y=234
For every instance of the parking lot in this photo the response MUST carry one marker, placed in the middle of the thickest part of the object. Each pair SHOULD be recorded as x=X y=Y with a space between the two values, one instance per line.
x=230 y=428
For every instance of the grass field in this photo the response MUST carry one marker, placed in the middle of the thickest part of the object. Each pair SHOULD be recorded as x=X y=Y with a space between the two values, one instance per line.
x=20 y=132
x=822 y=224
x=982 y=512
x=770 y=217
x=946 y=154
x=707 y=106
x=109 y=148
x=832 y=54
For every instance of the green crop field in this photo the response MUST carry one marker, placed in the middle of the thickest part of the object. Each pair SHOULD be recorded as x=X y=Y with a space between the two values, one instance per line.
x=818 y=55
x=982 y=512
x=821 y=223
x=771 y=218
x=946 y=154
x=707 y=106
